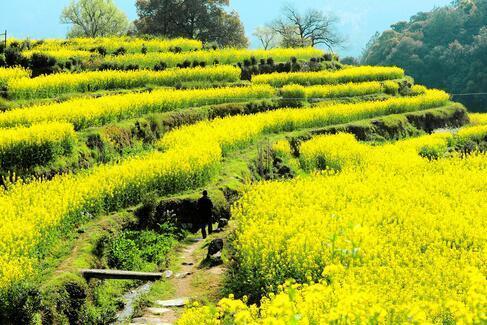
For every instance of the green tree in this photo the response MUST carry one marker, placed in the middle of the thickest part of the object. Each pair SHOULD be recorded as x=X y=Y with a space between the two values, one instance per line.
x=445 y=48
x=94 y=18
x=206 y=20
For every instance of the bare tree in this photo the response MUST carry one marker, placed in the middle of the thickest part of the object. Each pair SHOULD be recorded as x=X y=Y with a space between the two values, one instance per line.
x=267 y=37
x=314 y=28
x=288 y=33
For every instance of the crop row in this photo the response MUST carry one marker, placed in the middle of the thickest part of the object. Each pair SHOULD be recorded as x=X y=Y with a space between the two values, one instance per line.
x=476 y=132
x=290 y=119
x=61 y=83
x=223 y=56
x=341 y=90
x=355 y=74
x=64 y=55
x=87 y=112
x=35 y=145
x=112 y=44
x=171 y=60
x=393 y=239
x=327 y=152
x=81 y=113
x=56 y=84
x=30 y=212
x=478 y=118
x=8 y=74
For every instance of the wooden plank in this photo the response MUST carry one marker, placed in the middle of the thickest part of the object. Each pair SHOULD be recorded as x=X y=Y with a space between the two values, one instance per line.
x=120 y=275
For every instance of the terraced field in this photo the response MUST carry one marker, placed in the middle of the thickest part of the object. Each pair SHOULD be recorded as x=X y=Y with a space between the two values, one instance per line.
x=339 y=222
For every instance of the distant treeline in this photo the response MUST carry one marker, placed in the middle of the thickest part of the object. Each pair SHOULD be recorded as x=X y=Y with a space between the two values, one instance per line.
x=445 y=48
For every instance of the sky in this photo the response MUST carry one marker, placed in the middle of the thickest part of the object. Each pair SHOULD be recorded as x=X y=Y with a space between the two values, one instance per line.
x=358 y=19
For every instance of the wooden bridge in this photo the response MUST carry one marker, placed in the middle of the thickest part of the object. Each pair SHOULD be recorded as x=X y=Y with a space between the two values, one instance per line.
x=120 y=275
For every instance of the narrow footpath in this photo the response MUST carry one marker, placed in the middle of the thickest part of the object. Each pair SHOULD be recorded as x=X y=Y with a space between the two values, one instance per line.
x=193 y=279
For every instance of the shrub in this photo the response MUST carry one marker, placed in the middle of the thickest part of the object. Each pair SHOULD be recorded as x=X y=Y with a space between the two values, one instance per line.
x=120 y=51
x=350 y=60
x=13 y=57
x=146 y=213
x=100 y=50
x=64 y=300
x=133 y=250
x=41 y=64
x=19 y=303
x=161 y=66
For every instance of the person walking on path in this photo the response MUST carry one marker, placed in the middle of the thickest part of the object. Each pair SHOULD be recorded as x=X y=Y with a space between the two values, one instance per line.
x=205 y=213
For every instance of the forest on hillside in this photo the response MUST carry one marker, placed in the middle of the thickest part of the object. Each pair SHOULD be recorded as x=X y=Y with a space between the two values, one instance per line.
x=445 y=48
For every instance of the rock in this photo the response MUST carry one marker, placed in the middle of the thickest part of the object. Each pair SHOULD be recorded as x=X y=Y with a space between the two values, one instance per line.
x=215 y=246
x=168 y=274
x=222 y=223
x=182 y=275
x=187 y=264
x=214 y=256
x=215 y=259
x=158 y=311
x=179 y=302
x=148 y=320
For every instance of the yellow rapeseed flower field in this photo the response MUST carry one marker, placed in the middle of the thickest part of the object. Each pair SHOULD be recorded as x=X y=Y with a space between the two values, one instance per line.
x=29 y=212
x=335 y=91
x=63 y=55
x=111 y=44
x=38 y=144
x=353 y=74
x=478 y=118
x=223 y=56
x=474 y=132
x=8 y=74
x=290 y=119
x=86 y=112
x=60 y=83
x=391 y=238
x=171 y=59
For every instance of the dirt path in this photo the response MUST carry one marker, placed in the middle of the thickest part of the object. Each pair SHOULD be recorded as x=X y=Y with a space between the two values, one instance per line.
x=192 y=280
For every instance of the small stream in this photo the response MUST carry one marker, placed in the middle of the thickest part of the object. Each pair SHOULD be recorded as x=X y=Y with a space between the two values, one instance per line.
x=130 y=298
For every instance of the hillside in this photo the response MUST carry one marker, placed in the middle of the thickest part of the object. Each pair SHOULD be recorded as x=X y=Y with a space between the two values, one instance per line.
x=354 y=195
x=445 y=48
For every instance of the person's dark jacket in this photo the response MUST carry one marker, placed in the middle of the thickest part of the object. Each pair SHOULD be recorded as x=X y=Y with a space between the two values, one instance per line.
x=205 y=209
